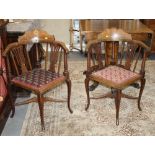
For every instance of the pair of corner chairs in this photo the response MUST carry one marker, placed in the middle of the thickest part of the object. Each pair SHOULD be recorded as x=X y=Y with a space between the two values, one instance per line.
x=117 y=71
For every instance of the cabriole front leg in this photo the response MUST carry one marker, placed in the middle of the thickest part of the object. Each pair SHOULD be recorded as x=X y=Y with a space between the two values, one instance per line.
x=87 y=92
x=41 y=108
x=140 y=92
x=117 y=104
x=68 y=81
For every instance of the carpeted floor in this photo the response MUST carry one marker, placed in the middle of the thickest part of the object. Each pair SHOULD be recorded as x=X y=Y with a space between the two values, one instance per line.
x=100 y=118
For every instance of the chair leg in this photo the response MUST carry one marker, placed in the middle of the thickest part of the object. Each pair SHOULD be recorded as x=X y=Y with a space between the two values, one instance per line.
x=87 y=92
x=12 y=104
x=69 y=95
x=117 y=104
x=140 y=92
x=41 y=108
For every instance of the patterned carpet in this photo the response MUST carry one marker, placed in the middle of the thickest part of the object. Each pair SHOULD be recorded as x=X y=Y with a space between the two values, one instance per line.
x=100 y=118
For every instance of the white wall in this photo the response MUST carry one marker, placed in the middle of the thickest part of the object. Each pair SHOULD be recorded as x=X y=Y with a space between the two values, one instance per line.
x=58 y=27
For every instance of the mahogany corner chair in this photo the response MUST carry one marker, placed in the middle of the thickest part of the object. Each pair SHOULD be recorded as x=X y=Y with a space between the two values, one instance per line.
x=42 y=78
x=117 y=68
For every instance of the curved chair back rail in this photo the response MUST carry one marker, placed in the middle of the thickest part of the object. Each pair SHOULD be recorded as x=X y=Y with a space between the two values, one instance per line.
x=125 y=53
x=19 y=60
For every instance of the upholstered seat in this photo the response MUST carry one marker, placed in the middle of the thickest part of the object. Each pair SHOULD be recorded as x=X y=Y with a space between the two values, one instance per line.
x=38 y=80
x=115 y=77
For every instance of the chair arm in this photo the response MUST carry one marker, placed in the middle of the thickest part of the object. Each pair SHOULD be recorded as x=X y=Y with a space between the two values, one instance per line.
x=92 y=69
x=87 y=73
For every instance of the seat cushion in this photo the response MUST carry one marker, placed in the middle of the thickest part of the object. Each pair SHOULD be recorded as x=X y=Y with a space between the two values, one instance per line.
x=116 y=77
x=38 y=80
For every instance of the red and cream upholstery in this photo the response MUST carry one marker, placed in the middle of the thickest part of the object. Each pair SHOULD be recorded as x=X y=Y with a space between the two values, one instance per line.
x=38 y=80
x=116 y=77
